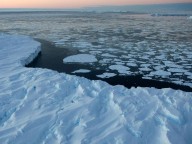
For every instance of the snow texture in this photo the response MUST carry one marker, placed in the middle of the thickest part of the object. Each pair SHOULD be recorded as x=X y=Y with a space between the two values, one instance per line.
x=40 y=106
x=80 y=58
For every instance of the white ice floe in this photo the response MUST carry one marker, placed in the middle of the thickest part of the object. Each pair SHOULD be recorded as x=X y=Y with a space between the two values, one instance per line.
x=160 y=73
x=190 y=77
x=80 y=58
x=190 y=17
x=82 y=71
x=145 y=77
x=171 y=64
x=94 y=52
x=82 y=44
x=105 y=61
x=178 y=74
x=119 y=63
x=43 y=106
x=145 y=65
x=106 y=75
x=120 y=68
x=159 y=67
x=132 y=64
x=145 y=69
x=188 y=73
x=176 y=70
x=108 y=55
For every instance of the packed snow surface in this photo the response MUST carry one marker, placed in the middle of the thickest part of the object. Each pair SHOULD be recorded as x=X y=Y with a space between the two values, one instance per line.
x=40 y=106
x=80 y=58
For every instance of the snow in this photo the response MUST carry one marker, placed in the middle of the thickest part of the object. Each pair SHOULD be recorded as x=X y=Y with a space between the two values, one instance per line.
x=80 y=58
x=43 y=106
x=82 y=71
x=106 y=75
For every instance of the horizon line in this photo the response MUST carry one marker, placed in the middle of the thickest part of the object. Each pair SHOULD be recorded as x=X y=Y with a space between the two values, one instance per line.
x=95 y=6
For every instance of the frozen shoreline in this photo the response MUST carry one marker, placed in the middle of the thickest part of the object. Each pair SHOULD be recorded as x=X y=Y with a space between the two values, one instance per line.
x=44 y=106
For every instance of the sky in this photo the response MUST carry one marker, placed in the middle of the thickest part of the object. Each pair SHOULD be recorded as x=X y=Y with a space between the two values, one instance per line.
x=77 y=3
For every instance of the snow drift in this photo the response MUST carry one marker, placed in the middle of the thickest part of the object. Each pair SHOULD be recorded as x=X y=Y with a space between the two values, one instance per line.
x=43 y=106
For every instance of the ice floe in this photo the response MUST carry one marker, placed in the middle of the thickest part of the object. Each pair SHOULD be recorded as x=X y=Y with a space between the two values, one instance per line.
x=144 y=69
x=190 y=17
x=120 y=68
x=160 y=73
x=80 y=58
x=98 y=34
x=43 y=106
x=132 y=64
x=82 y=71
x=106 y=75
x=176 y=70
x=108 y=55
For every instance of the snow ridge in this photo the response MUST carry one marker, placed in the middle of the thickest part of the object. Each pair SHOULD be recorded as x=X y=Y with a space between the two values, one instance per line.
x=43 y=106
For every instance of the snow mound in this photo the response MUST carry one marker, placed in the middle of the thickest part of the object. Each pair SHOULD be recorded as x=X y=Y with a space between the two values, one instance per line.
x=80 y=58
x=43 y=106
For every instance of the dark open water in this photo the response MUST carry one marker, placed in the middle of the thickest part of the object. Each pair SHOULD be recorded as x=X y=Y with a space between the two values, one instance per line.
x=51 y=57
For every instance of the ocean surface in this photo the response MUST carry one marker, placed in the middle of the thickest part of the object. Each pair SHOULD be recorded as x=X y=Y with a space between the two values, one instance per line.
x=124 y=44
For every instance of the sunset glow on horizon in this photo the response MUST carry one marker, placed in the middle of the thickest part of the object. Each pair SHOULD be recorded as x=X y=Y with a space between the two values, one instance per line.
x=77 y=4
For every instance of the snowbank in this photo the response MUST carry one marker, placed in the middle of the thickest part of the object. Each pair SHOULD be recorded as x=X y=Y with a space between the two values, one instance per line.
x=43 y=106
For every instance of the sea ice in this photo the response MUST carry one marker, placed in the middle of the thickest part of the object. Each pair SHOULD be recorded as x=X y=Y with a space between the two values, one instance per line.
x=44 y=106
x=177 y=70
x=82 y=71
x=108 y=55
x=120 y=68
x=144 y=69
x=80 y=58
x=190 y=17
x=160 y=73
x=82 y=44
x=106 y=75
x=132 y=64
